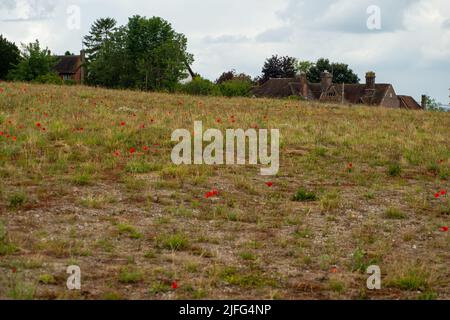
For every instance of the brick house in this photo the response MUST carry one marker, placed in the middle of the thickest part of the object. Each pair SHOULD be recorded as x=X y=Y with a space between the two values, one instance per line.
x=71 y=67
x=370 y=93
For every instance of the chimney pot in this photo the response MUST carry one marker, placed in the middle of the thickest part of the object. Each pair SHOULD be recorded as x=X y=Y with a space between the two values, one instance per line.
x=370 y=80
x=424 y=101
x=326 y=80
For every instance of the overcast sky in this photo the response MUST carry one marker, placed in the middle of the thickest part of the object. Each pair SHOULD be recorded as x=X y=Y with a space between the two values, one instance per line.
x=411 y=50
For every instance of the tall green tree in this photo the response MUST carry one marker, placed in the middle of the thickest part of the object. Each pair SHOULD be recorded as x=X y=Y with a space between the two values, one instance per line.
x=278 y=67
x=160 y=54
x=36 y=62
x=146 y=53
x=111 y=64
x=341 y=72
x=101 y=31
x=9 y=56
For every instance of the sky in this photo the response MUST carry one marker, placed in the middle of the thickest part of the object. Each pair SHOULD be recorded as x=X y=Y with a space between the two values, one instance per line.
x=406 y=42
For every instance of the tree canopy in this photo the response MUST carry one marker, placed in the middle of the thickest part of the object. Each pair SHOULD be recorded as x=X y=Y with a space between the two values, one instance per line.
x=9 y=56
x=36 y=62
x=147 y=53
x=233 y=75
x=341 y=72
x=278 y=67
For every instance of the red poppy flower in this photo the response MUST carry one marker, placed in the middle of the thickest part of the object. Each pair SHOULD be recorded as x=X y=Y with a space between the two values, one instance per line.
x=44 y=129
x=14 y=138
x=437 y=195
x=13 y=270
x=350 y=165
x=208 y=195
x=1 y=90
x=122 y=124
x=117 y=153
x=211 y=193
x=269 y=184
x=142 y=126
x=444 y=229
x=1 y=133
x=7 y=136
x=174 y=285
x=443 y=192
x=218 y=121
x=132 y=150
x=38 y=124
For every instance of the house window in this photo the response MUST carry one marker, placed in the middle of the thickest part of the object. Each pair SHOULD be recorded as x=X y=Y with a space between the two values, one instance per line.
x=66 y=77
x=391 y=95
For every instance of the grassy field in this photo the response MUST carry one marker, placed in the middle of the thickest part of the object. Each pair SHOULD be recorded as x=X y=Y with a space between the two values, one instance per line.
x=357 y=186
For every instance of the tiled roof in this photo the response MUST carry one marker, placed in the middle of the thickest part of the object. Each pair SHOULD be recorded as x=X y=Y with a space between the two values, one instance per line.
x=353 y=93
x=408 y=102
x=68 y=64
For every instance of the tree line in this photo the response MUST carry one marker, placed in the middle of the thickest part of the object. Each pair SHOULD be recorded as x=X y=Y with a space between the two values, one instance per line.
x=148 y=54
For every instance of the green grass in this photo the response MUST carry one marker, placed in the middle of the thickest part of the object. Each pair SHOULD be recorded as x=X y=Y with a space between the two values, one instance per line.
x=47 y=279
x=79 y=202
x=129 y=230
x=247 y=256
x=337 y=286
x=6 y=247
x=303 y=195
x=245 y=279
x=159 y=287
x=130 y=275
x=411 y=278
x=175 y=242
x=16 y=200
x=394 y=213
x=394 y=170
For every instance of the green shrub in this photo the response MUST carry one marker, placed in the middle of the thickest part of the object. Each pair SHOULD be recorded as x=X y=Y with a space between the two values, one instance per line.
x=200 y=86
x=235 y=88
x=303 y=195
x=49 y=78
x=70 y=82
x=394 y=170
x=17 y=200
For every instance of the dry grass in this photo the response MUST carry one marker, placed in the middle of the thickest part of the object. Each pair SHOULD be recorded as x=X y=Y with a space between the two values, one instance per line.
x=74 y=194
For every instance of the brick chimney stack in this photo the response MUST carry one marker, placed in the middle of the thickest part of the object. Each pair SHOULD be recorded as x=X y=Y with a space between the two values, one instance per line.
x=303 y=85
x=370 y=80
x=83 y=66
x=424 y=101
x=326 y=80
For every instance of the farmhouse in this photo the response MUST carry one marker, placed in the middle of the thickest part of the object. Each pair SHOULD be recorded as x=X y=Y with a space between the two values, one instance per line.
x=370 y=93
x=71 y=67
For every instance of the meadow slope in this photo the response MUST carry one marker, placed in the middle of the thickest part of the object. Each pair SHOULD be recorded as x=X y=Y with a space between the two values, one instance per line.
x=369 y=184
